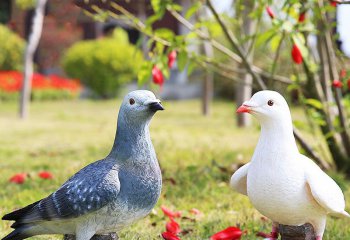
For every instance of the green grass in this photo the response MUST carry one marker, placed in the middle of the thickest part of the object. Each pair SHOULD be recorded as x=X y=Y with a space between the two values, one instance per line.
x=62 y=137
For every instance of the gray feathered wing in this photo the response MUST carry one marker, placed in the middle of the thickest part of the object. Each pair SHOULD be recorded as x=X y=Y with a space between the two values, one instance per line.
x=90 y=189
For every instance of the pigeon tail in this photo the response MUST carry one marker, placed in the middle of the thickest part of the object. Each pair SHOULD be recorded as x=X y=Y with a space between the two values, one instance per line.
x=18 y=214
x=18 y=234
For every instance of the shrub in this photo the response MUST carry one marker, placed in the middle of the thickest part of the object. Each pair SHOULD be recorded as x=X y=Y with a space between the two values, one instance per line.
x=11 y=49
x=103 y=65
x=50 y=87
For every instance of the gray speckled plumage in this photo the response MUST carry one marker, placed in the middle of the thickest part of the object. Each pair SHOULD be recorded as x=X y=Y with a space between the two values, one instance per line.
x=106 y=195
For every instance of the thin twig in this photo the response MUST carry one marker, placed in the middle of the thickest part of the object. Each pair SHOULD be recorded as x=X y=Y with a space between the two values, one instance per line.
x=233 y=41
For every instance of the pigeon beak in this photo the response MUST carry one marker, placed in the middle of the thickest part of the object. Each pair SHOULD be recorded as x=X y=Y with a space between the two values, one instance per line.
x=243 y=109
x=154 y=105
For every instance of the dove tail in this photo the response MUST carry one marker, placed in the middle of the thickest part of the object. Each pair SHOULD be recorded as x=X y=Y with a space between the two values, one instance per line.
x=346 y=214
x=18 y=234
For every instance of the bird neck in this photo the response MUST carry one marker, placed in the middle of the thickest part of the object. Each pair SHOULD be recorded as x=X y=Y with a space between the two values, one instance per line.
x=277 y=136
x=132 y=137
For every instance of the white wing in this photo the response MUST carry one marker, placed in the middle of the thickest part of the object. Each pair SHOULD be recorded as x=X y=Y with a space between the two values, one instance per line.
x=324 y=189
x=239 y=179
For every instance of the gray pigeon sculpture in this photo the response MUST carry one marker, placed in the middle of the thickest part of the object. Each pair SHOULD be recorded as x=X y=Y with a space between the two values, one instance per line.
x=106 y=195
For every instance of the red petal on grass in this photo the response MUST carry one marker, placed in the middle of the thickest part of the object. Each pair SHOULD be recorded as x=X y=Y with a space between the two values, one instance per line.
x=157 y=76
x=170 y=213
x=337 y=84
x=171 y=58
x=173 y=227
x=230 y=233
x=18 y=178
x=169 y=236
x=45 y=175
x=270 y=12
x=296 y=54
x=195 y=211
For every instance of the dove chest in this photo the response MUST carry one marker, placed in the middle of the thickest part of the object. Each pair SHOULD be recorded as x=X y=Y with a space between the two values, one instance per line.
x=277 y=190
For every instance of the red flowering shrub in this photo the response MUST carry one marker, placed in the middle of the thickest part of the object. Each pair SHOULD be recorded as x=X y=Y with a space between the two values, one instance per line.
x=296 y=54
x=43 y=87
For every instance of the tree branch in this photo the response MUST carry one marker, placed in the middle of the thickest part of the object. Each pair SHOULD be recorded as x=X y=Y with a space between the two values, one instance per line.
x=233 y=41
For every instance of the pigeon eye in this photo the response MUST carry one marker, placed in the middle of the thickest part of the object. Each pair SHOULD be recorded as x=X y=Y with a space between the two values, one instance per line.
x=131 y=101
x=270 y=103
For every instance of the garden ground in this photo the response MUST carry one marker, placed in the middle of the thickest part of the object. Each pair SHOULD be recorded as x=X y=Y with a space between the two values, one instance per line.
x=197 y=155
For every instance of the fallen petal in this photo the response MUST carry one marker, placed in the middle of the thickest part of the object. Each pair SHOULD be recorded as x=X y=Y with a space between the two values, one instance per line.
x=173 y=227
x=169 y=236
x=230 y=233
x=170 y=213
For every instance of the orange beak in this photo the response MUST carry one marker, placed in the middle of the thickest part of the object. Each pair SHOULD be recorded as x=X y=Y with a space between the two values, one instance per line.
x=243 y=109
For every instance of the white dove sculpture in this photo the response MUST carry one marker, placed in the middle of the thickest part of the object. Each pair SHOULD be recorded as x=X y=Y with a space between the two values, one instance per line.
x=282 y=184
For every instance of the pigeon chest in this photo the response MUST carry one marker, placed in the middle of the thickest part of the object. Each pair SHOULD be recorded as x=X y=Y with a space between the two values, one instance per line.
x=278 y=191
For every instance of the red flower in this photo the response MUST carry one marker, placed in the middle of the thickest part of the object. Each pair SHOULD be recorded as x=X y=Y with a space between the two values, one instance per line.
x=342 y=73
x=195 y=211
x=334 y=4
x=230 y=233
x=296 y=54
x=169 y=236
x=170 y=213
x=157 y=76
x=45 y=175
x=173 y=227
x=270 y=12
x=302 y=17
x=337 y=84
x=18 y=178
x=171 y=58
x=348 y=82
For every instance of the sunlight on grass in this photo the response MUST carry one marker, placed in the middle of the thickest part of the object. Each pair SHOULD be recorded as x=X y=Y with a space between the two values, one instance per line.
x=196 y=154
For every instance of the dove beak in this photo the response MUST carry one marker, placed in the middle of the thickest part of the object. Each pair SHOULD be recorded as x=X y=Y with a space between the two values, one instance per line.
x=154 y=105
x=243 y=109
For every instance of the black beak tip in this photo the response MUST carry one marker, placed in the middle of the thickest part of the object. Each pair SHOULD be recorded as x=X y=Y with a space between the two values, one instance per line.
x=156 y=106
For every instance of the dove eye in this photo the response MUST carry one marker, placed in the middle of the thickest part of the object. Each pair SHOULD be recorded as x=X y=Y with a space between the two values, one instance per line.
x=270 y=103
x=131 y=101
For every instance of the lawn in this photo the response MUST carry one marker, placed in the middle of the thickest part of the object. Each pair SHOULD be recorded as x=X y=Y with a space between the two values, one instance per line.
x=197 y=155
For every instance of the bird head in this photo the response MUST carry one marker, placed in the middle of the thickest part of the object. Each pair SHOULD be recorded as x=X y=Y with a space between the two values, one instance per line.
x=266 y=106
x=140 y=105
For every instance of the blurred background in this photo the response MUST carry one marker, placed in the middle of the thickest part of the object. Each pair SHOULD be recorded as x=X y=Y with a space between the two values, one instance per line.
x=66 y=64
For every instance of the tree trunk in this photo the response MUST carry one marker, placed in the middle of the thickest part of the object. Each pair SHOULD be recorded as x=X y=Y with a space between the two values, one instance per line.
x=244 y=88
x=32 y=45
x=207 y=96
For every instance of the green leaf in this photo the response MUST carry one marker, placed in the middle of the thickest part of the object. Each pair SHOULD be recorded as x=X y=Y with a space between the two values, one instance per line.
x=299 y=40
x=164 y=33
x=287 y=26
x=182 y=60
x=175 y=7
x=191 y=66
x=156 y=5
x=265 y=37
x=275 y=41
x=144 y=73
x=314 y=103
x=194 y=8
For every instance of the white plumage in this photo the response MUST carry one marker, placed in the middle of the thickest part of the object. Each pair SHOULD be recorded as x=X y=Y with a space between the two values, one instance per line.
x=281 y=183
